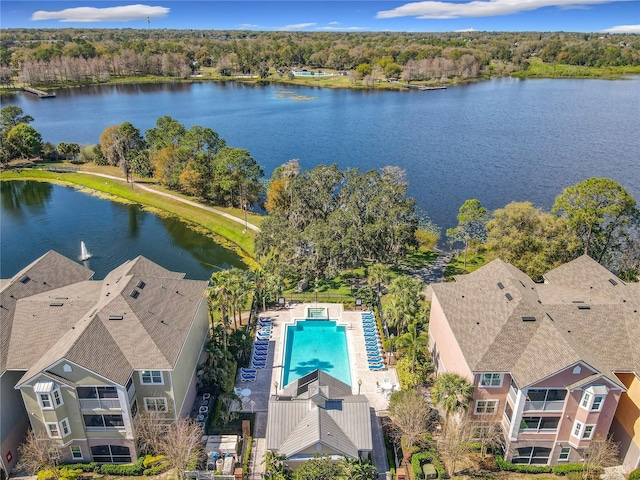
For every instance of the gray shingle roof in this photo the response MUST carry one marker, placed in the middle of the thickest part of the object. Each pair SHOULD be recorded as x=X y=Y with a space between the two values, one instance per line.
x=299 y=419
x=486 y=308
x=49 y=272
x=101 y=326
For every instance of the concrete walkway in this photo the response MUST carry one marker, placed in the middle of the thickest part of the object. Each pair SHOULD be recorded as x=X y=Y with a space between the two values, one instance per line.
x=178 y=199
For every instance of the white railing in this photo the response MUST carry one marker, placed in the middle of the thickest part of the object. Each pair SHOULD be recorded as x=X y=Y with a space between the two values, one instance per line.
x=105 y=429
x=100 y=404
x=551 y=406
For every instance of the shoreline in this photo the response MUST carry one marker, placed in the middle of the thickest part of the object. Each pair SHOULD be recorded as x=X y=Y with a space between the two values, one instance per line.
x=220 y=229
x=542 y=71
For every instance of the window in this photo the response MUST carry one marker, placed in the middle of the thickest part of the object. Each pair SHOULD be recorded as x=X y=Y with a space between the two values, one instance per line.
x=103 y=422
x=64 y=426
x=110 y=454
x=532 y=456
x=508 y=412
x=587 y=434
x=577 y=370
x=577 y=429
x=151 y=377
x=57 y=398
x=539 y=424
x=593 y=398
x=76 y=452
x=157 y=404
x=564 y=454
x=67 y=368
x=45 y=401
x=545 y=399
x=491 y=380
x=486 y=407
x=53 y=430
x=597 y=403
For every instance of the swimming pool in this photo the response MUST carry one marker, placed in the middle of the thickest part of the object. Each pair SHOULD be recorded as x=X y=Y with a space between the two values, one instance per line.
x=316 y=344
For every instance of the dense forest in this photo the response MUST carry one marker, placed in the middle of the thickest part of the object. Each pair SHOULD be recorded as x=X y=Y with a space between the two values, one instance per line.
x=63 y=56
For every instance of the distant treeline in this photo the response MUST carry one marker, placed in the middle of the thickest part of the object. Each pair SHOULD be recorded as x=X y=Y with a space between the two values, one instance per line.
x=50 y=56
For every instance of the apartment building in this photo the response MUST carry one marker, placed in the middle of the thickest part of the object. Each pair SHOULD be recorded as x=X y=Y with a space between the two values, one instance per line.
x=81 y=357
x=552 y=362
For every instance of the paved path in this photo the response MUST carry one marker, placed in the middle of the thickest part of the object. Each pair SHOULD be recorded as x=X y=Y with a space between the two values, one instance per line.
x=179 y=199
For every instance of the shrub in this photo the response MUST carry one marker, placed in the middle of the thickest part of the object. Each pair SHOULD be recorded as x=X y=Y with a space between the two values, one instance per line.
x=567 y=467
x=430 y=456
x=512 y=467
x=245 y=457
x=65 y=473
x=635 y=475
x=161 y=467
x=85 y=467
x=124 y=470
x=150 y=460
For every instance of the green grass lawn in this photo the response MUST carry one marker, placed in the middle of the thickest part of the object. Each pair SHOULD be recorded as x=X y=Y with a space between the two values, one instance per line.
x=457 y=267
x=539 y=69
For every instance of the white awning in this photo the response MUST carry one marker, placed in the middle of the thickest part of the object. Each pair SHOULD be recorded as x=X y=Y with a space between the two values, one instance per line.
x=597 y=389
x=43 y=387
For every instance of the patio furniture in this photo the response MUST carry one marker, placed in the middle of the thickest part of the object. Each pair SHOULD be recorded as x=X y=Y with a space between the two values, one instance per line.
x=248 y=370
x=376 y=366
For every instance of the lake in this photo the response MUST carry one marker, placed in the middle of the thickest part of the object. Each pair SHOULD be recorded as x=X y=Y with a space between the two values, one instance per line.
x=36 y=217
x=498 y=140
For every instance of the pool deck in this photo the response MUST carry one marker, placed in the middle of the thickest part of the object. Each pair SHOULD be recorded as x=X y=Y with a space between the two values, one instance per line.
x=264 y=385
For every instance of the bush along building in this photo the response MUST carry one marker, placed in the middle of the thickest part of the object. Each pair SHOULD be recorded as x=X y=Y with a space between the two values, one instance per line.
x=81 y=357
x=556 y=363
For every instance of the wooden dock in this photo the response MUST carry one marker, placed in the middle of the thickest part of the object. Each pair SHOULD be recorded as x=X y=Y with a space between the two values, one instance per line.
x=39 y=93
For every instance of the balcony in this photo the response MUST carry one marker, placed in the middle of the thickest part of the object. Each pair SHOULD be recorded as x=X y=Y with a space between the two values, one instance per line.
x=542 y=406
x=100 y=404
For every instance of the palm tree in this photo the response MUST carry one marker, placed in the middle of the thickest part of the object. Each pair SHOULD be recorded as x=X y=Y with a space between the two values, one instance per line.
x=414 y=343
x=240 y=287
x=395 y=315
x=378 y=273
x=452 y=392
x=218 y=296
x=358 y=469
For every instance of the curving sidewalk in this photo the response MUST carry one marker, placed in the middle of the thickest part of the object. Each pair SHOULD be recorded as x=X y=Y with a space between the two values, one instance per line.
x=179 y=199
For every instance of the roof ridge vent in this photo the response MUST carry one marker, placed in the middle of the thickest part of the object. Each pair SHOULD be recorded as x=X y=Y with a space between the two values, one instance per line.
x=500 y=285
x=613 y=282
x=116 y=317
x=528 y=319
x=508 y=295
x=584 y=307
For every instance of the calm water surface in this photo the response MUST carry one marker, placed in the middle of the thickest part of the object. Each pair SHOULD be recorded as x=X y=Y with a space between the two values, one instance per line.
x=498 y=141
x=36 y=217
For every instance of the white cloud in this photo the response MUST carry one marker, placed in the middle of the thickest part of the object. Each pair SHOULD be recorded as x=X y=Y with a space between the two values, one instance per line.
x=123 y=13
x=479 y=8
x=466 y=30
x=334 y=23
x=248 y=25
x=623 y=29
x=297 y=26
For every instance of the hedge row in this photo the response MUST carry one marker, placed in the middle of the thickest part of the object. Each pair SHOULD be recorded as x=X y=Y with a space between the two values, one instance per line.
x=565 y=468
x=430 y=456
x=158 y=469
x=512 y=467
x=245 y=457
x=124 y=470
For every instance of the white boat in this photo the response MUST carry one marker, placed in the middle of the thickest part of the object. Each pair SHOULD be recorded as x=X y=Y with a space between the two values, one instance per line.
x=84 y=253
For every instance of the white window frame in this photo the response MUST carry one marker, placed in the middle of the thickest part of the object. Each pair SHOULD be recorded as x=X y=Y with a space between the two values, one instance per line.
x=562 y=451
x=492 y=377
x=76 y=449
x=154 y=402
x=584 y=435
x=151 y=377
x=65 y=429
x=56 y=396
x=45 y=401
x=50 y=432
x=482 y=405
x=577 y=429
x=588 y=400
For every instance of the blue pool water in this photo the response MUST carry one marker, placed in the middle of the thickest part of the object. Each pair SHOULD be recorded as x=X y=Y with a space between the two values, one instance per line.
x=316 y=344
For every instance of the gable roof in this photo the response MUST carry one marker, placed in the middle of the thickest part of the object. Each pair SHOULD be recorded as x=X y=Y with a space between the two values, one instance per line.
x=505 y=322
x=103 y=326
x=49 y=272
x=322 y=410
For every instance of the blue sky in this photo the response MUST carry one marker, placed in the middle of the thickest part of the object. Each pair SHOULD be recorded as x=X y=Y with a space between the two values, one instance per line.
x=615 y=16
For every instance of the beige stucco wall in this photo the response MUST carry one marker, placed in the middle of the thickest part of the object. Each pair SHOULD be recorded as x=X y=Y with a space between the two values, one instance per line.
x=626 y=425
x=441 y=338
x=183 y=376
